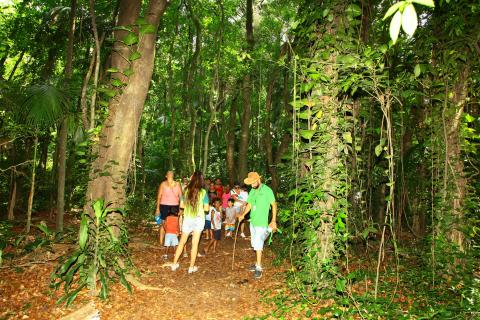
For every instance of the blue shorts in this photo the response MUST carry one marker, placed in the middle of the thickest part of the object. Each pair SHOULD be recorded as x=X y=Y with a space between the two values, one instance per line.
x=208 y=225
x=171 y=240
x=217 y=235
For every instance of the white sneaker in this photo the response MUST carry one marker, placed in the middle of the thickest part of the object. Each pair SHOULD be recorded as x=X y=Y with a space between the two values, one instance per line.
x=242 y=235
x=229 y=234
x=175 y=266
x=192 y=269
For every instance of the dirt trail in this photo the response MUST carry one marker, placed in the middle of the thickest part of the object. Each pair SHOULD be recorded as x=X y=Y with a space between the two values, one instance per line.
x=214 y=292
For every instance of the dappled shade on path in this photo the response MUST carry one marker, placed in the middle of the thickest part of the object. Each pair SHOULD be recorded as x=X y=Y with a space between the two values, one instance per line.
x=214 y=292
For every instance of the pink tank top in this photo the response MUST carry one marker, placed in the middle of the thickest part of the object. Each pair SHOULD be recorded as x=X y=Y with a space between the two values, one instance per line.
x=171 y=195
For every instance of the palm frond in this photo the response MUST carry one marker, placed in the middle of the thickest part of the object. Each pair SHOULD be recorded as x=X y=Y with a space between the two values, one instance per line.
x=44 y=106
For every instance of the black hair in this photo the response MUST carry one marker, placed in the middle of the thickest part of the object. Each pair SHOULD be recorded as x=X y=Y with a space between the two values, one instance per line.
x=172 y=212
x=231 y=200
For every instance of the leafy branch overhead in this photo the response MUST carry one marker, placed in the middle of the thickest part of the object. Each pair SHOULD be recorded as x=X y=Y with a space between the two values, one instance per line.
x=404 y=17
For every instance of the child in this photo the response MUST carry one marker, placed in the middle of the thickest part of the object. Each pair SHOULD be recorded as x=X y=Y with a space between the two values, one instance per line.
x=230 y=217
x=216 y=213
x=172 y=229
x=225 y=196
x=208 y=226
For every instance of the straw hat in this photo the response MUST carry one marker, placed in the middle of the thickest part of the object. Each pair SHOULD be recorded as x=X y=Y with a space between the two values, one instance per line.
x=252 y=178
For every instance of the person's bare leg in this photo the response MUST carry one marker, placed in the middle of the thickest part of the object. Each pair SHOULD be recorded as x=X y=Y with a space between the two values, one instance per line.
x=259 y=258
x=210 y=243
x=195 y=241
x=178 y=252
x=162 y=234
x=215 y=245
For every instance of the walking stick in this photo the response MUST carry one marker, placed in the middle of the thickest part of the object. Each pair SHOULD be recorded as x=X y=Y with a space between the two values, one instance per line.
x=235 y=243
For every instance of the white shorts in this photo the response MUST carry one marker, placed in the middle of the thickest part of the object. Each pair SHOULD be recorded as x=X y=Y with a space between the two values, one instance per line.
x=171 y=240
x=193 y=224
x=258 y=236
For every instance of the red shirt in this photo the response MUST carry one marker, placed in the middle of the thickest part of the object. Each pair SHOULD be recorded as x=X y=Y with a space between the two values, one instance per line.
x=171 y=225
x=219 y=190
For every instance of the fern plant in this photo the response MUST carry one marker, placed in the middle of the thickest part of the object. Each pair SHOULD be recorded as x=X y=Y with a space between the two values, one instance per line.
x=101 y=257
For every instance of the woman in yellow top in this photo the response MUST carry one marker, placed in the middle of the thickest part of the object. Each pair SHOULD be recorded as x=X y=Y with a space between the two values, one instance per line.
x=194 y=204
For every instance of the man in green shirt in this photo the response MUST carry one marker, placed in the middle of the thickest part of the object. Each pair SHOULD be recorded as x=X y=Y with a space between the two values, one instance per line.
x=259 y=201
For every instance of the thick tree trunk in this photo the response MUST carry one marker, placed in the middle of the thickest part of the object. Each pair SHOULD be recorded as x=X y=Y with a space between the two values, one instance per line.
x=453 y=157
x=117 y=138
x=247 y=99
x=62 y=137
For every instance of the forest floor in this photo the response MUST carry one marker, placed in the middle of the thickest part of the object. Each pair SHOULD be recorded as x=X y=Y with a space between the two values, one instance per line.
x=214 y=292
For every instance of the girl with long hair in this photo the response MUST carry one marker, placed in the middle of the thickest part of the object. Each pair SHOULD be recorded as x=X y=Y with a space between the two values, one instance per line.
x=194 y=204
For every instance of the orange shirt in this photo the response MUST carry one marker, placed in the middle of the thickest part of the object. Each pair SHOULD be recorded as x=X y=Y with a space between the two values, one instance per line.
x=171 y=225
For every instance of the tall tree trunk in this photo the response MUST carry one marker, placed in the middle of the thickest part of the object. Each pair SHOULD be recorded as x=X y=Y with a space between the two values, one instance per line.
x=218 y=89
x=453 y=156
x=230 y=138
x=192 y=106
x=247 y=98
x=97 y=64
x=62 y=137
x=171 y=95
x=32 y=184
x=271 y=163
x=117 y=138
x=13 y=196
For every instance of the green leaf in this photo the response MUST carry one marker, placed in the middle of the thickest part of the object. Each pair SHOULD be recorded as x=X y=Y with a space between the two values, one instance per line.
x=353 y=10
x=395 y=26
x=134 y=56
x=128 y=72
x=393 y=9
x=125 y=283
x=340 y=285
x=109 y=92
x=307 y=134
x=103 y=103
x=409 y=20
x=469 y=118
x=147 y=28
x=378 y=150
x=417 y=70
x=67 y=264
x=104 y=288
x=112 y=70
x=98 y=208
x=116 y=82
x=428 y=3
x=130 y=39
x=83 y=233
x=124 y=28
x=347 y=137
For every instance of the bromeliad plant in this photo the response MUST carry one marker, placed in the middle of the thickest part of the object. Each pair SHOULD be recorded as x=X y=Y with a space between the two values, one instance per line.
x=101 y=257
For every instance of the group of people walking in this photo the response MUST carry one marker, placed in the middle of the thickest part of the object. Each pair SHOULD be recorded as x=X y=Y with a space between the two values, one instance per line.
x=198 y=206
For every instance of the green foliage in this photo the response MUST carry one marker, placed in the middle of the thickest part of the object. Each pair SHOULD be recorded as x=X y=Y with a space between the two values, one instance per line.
x=43 y=106
x=101 y=257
